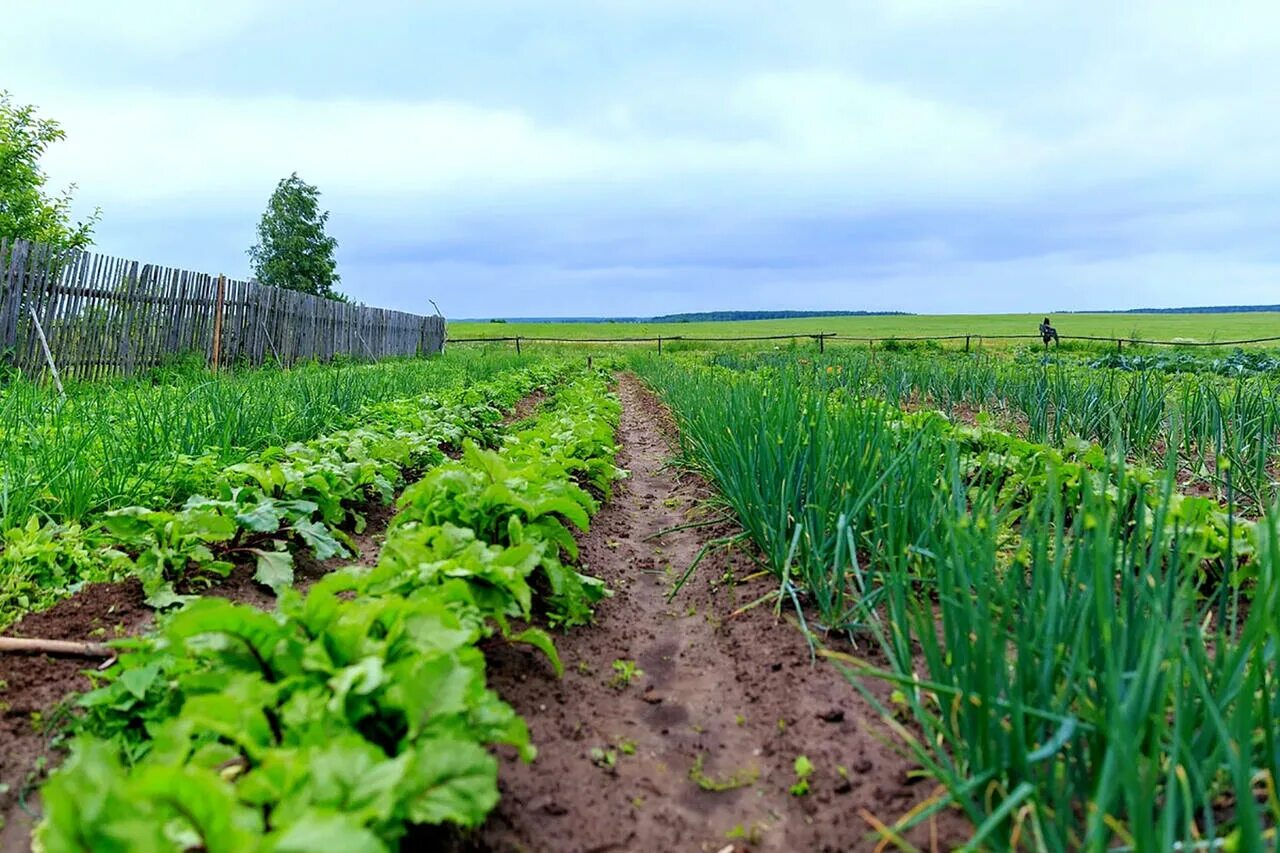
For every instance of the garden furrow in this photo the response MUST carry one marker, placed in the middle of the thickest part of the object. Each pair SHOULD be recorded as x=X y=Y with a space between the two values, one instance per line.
x=678 y=725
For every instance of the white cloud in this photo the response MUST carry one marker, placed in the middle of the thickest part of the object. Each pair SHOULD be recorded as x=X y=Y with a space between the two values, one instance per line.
x=142 y=147
x=159 y=27
x=580 y=129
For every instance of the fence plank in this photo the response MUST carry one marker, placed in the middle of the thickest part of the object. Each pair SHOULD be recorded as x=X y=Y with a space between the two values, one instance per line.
x=106 y=316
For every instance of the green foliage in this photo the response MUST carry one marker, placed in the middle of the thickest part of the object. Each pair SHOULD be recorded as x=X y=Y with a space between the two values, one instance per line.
x=115 y=444
x=1094 y=693
x=370 y=713
x=1238 y=362
x=528 y=493
x=830 y=485
x=37 y=558
x=293 y=251
x=350 y=713
x=804 y=769
x=1087 y=655
x=624 y=672
x=27 y=212
x=605 y=759
x=303 y=493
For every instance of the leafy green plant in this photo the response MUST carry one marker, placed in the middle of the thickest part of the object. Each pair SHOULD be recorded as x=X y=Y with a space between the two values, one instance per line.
x=804 y=769
x=624 y=672
x=605 y=759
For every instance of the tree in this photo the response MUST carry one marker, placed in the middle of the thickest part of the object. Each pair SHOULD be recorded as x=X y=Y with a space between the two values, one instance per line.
x=26 y=211
x=293 y=251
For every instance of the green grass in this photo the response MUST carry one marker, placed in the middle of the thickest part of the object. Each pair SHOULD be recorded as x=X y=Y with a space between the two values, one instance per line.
x=1195 y=327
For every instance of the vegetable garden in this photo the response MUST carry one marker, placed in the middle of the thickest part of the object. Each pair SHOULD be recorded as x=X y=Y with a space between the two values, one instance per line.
x=714 y=599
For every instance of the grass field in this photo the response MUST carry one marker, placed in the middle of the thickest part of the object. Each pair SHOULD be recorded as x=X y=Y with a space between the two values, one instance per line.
x=1194 y=327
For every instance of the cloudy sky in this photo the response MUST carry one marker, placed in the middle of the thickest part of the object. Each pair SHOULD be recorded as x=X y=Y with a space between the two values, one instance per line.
x=601 y=157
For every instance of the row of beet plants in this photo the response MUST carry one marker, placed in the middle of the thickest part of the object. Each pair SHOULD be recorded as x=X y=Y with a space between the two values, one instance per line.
x=356 y=712
x=306 y=494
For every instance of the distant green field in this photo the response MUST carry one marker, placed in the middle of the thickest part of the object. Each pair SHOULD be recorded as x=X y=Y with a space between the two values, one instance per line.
x=1190 y=327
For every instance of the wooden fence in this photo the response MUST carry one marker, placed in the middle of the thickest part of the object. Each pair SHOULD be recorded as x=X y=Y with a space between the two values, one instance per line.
x=105 y=316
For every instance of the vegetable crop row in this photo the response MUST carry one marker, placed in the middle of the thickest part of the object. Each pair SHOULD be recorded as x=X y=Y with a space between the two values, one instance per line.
x=1211 y=421
x=803 y=463
x=357 y=711
x=1044 y=613
x=131 y=442
x=306 y=492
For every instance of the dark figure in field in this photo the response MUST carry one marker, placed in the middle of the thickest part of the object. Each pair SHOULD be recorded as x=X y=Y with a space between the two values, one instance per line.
x=1049 y=333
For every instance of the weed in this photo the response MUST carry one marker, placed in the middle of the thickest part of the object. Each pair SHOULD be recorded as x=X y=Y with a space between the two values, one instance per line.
x=624 y=672
x=751 y=835
x=605 y=759
x=804 y=769
x=738 y=779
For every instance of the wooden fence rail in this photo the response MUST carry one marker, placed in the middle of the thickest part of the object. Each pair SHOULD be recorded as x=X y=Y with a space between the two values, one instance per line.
x=106 y=316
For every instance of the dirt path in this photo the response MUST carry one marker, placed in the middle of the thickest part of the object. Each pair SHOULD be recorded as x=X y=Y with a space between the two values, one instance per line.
x=737 y=697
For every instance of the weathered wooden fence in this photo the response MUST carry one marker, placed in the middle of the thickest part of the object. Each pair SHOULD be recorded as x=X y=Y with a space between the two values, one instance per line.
x=108 y=316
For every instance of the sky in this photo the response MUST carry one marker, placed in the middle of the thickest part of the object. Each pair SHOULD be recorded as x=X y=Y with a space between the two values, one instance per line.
x=609 y=158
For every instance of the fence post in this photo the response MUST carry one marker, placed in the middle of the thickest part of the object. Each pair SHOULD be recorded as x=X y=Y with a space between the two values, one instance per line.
x=588 y=362
x=659 y=344
x=822 y=343
x=48 y=356
x=517 y=345
x=1118 y=344
x=966 y=343
x=218 y=302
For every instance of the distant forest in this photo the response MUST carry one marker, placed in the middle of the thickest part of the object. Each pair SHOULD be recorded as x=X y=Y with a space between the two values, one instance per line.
x=1199 y=309
x=720 y=316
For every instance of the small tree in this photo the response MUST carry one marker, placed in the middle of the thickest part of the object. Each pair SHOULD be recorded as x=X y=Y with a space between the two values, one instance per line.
x=293 y=251
x=26 y=212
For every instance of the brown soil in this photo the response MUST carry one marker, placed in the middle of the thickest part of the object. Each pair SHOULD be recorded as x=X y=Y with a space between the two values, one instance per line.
x=33 y=688
x=526 y=407
x=741 y=692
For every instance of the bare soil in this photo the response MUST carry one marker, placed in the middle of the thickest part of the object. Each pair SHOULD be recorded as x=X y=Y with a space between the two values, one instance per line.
x=737 y=696
x=526 y=407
